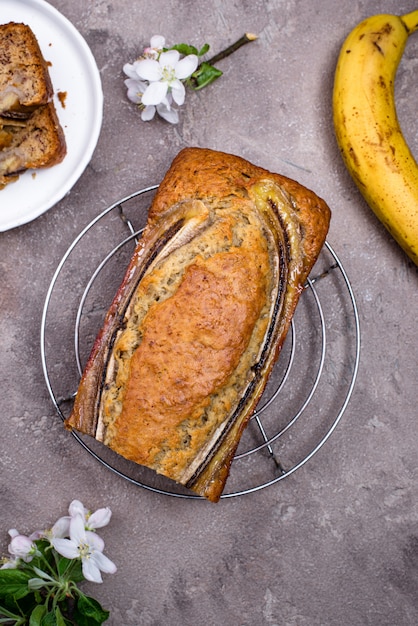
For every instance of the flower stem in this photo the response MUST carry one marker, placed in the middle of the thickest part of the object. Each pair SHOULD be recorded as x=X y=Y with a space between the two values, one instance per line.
x=247 y=38
x=206 y=72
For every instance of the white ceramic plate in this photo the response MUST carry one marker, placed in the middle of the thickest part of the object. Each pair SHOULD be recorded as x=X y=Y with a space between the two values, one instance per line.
x=74 y=73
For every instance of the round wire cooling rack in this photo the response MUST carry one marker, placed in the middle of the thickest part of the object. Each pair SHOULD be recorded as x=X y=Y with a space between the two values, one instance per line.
x=308 y=390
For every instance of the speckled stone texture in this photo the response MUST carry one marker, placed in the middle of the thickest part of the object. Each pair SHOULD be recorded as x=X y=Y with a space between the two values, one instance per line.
x=336 y=542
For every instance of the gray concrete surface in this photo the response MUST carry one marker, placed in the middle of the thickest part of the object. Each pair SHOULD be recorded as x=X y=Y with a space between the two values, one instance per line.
x=335 y=543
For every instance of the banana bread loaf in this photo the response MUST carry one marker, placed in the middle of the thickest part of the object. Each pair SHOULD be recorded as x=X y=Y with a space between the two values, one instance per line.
x=198 y=322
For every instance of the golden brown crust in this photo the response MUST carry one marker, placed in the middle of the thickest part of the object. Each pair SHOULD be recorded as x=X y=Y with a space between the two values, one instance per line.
x=199 y=320
x=200 y=172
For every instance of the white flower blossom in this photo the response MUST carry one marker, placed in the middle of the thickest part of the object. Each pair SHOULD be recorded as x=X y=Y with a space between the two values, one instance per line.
x=157 y=77
x=155 y=80
x=61 y=528
x=87 y=546
x=166 y=74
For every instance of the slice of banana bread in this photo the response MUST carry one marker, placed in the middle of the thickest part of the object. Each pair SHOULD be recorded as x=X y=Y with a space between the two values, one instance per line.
x=38 y=142
x=30 y=133
x=25 y=83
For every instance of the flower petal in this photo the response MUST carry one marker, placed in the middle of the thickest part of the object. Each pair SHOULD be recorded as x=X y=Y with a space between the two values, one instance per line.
x=148 y=113
x=186 y=66
x=77 y=508
x=157 y=41
x=149 y=69
x=99 y=518
x=154 y=93
x=169 y=58
x=135 y=89
x=178 y=91
x=37 y=534
x=94 y=541
x=77 y=530
x=61 y=528
x=66 y=548
x=90 y=571
x=104 y=563
x=130 y=70
x=169 y=114
x=133 y=96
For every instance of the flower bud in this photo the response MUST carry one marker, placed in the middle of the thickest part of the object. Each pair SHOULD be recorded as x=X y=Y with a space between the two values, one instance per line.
x=21 y=547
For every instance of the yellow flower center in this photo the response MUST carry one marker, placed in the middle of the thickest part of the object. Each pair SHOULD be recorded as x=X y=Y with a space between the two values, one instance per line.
x=168 y=74
x=84 y=550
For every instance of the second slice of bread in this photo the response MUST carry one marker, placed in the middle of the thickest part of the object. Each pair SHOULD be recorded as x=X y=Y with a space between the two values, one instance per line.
x=38 y=143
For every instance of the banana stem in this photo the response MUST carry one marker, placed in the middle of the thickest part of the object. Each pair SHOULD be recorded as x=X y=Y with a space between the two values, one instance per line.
x=411 y=21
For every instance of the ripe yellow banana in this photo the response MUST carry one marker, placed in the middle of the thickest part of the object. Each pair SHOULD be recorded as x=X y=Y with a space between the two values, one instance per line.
x=367 y=127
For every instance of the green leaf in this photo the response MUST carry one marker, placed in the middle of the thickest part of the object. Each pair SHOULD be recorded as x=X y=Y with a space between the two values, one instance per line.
x=63 y=564
x=203 y=50
x=13 y=582
x=89 y=612
x=184 y=48
x=59 y=617
x=37 y=615
x=24 y=606
x=49 y=619
x=73 y=566
x=204 y=76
